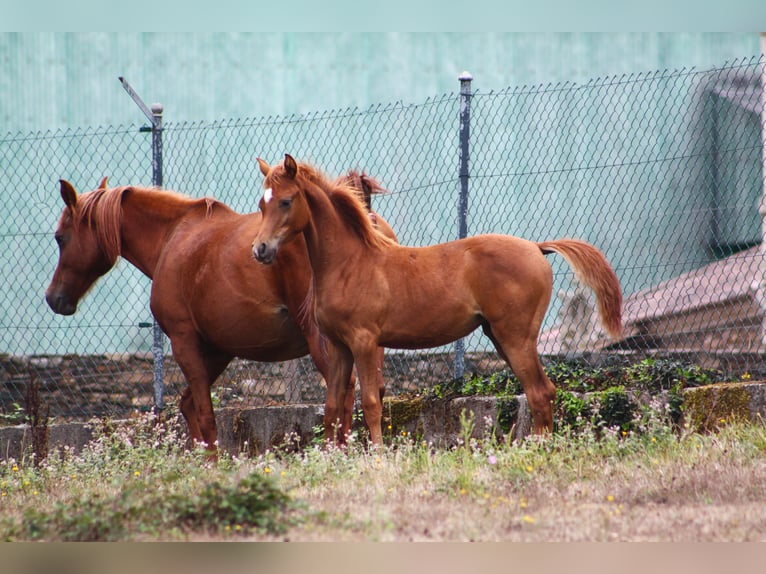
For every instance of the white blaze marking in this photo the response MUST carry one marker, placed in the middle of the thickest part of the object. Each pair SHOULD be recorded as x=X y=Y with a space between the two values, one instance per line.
x=267 y=195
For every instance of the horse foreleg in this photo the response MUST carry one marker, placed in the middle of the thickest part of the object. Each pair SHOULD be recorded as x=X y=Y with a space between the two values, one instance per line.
x=340 y=373
x=381 y=382
x=186 y=405
x=368 y=365
x=348 y=406
x=201 y=367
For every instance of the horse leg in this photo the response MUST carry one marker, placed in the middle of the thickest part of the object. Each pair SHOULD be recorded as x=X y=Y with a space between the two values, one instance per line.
x=319 y=350
x=381 y=383
x=201 y=367
x=340 y=373
x=351 y=394
x=186 y=405
x=348 y=406
x=520 y=352
x=368 y=361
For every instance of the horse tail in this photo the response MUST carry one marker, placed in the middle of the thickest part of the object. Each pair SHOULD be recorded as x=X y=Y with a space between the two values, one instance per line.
x=592 y=268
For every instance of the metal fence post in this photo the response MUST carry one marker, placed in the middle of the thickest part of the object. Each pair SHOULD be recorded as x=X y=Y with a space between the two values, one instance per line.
x=158 y=344
x=462 y=204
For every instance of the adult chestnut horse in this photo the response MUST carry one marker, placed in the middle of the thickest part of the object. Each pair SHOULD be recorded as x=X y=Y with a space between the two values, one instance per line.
x=208 y=296
x=370 y=292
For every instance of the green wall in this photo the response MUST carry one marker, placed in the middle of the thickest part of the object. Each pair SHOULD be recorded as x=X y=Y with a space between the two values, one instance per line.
x=57 y=80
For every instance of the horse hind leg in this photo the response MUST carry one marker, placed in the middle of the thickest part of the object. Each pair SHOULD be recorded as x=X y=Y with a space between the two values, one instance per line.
x=520 y=352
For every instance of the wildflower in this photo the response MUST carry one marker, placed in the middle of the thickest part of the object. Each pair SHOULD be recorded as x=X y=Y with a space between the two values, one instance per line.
x=492 y=459
x=610 y=498
x=528 y=519
x=530 y=468
x=238 y=527
x=745 y=376
x=523 y=503
x=722 y=421
x=137 y=473
x=15 y=468
x=463 y=491
x=267 y=470
x=283 y=473
x=654 y=439
x=390 y=427
x=624 y=433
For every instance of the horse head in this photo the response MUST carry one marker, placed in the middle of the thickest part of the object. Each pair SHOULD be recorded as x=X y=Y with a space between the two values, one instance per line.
x=283 y=206
x=82 y=256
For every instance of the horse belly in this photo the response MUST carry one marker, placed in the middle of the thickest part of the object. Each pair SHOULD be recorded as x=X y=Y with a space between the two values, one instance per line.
x=259 y=335
x=426 y=330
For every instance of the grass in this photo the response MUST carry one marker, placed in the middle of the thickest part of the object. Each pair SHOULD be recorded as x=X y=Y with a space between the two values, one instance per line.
x=140 y=482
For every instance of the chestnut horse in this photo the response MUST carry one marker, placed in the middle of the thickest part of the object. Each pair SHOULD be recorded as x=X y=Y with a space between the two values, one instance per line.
x=209 y=298
x=370 y=291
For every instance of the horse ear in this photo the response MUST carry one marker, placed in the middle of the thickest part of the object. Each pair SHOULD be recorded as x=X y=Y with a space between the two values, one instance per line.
x=68 y=193
x=102 y=185
x=265 y=168
x=291 y=168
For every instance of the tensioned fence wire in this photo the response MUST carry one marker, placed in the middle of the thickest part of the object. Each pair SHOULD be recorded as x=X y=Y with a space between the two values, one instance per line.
x=662 y=171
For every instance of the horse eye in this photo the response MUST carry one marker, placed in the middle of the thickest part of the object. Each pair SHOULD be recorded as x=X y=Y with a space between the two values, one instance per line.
x=285 y=203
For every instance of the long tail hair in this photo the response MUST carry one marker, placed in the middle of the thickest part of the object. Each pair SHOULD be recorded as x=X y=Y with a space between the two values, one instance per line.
x=592 y=268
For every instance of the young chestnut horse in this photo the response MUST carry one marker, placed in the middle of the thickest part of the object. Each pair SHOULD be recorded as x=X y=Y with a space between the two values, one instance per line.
x=207 y=295
x=370 y=292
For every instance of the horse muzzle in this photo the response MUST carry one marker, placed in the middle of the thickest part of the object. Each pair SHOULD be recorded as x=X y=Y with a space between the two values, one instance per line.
x=264 y=253
x=60 y=304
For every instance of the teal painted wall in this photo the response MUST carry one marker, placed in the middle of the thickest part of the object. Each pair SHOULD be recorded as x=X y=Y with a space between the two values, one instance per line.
x=535 y=152
x=50 y=81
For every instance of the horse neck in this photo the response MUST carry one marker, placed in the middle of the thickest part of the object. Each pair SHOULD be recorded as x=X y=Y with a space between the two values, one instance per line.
x=330 y=241
x=145 y=228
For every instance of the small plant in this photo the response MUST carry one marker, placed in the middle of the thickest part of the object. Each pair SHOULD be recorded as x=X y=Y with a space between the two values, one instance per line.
x=15 y=416
x=656 y=375
x=507 y=412
x=616 y=409
x=253 y=503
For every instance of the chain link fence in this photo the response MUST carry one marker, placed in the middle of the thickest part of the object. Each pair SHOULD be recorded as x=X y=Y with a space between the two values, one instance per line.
x=662 y=171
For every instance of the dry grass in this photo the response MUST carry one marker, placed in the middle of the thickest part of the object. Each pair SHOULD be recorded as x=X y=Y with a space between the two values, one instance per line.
x=658 y=485
x=666 y=488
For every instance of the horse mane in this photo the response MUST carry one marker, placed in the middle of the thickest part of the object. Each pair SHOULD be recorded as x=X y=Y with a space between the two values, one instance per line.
x=347 y=200
x=362 y=183
x=101 y=210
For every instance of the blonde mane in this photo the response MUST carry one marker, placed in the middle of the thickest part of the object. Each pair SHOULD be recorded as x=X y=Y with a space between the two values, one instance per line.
x=346 y=197
x=101 y=210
